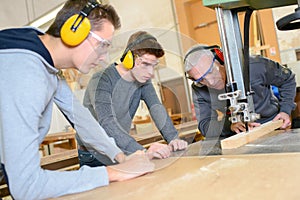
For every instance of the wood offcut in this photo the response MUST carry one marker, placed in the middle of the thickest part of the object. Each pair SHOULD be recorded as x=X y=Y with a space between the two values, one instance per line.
x=246 y=137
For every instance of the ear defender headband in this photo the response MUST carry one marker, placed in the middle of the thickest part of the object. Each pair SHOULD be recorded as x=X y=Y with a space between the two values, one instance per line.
x=128 y=58
x=77 y=27
x=217 y=52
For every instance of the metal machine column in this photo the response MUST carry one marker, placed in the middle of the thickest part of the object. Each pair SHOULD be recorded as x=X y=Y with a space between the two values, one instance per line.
x=232 y=47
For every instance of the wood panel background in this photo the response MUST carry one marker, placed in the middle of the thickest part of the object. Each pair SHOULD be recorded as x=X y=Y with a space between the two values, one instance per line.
x=199 y=24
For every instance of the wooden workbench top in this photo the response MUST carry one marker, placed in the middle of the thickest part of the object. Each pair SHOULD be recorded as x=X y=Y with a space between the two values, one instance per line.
x=255 y=176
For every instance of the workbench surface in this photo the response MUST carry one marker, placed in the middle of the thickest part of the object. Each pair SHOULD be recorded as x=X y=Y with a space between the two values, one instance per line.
x=278 y=141
x=264 y=169
x=253 y=176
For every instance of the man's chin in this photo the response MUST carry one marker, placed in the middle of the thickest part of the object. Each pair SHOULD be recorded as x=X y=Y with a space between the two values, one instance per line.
x=141 y=80
x=219 y=87
x=85 y=69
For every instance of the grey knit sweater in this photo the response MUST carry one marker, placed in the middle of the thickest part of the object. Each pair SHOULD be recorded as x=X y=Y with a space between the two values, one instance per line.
x=114 y=102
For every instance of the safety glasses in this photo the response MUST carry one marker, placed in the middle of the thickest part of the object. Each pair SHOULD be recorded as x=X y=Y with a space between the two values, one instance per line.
x=103 y=43
x=145 y=63
x=210 y=69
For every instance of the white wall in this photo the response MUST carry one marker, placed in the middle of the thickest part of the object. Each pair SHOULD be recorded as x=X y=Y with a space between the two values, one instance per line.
x=18 y=13
x=156 y=17
x=295 y=67
x=288 y=41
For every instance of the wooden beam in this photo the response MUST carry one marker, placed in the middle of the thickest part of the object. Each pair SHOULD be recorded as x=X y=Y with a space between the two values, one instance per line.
x=4 y=192
x=60 y=160
x=246 y=137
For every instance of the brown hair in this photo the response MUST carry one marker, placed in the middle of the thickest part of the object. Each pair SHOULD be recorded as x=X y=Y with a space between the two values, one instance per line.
x=142 y=42
x=97 y=16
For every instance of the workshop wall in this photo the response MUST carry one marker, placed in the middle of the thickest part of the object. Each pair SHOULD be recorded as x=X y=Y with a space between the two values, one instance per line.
x=289 y=42
x=159 y=21
x=21 y=12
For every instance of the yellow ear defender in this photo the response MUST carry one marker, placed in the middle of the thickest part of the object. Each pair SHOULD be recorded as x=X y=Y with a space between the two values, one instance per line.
x=128 y=58
x=77 y=27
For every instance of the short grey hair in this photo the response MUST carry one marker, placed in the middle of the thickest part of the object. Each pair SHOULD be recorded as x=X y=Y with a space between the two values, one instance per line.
x=193 y=56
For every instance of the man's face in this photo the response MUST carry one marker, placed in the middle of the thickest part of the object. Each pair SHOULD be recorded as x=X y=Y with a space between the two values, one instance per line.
x=208 y=72
x=94 y=48
x=143 y=69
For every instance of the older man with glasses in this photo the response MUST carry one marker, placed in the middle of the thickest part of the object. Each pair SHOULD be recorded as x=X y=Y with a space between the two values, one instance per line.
x=204 y=65
x=113 y=96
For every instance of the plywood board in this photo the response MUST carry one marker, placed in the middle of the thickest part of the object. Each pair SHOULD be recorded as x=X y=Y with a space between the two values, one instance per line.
x=247 y=177
x=246 y=137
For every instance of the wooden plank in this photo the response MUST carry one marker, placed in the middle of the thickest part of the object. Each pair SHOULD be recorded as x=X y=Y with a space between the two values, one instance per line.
x=4 y=192
x=186 y=126
x=60 y=160
x=246 y=137
x=54 y=137
x=55 y=142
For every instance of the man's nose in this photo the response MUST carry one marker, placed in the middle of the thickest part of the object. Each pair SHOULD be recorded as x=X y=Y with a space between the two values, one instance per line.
x=151 y=70
x=103 y=57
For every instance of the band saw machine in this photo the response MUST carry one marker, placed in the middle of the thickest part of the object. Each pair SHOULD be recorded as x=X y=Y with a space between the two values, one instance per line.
x=236 y=51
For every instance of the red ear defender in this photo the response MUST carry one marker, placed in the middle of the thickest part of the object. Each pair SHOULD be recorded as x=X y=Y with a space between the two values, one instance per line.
x=215 y=49
x=219 y=55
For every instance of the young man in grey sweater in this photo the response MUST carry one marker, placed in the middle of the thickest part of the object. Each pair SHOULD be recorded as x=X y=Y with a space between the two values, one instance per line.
x=114 y=94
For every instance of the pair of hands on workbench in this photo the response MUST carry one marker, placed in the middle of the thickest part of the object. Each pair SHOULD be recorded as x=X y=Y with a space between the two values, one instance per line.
x=138 y=163
x=134 y=165
x=241 y=127
x=158 y=150
x=161 y=151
